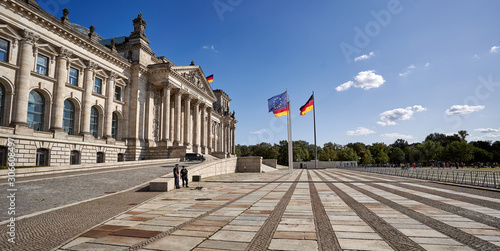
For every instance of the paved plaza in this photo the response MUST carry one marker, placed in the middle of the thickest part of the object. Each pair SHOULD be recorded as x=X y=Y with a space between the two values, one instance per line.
x=327 y=209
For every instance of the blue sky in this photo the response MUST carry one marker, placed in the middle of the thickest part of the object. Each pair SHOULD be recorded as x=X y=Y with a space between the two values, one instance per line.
x=381 y=70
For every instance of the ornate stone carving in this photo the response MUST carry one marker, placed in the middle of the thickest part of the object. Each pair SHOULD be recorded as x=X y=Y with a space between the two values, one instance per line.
x=113 y=75
x=30 y=37
x=65 y=53
x=91 y=32
x=113 y=44
x=139 y=28
x=65 y=18
x=92 y=66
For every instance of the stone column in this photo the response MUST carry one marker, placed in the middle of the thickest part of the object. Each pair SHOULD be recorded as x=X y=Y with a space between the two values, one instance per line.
x=109 y=104
x=197 y=126
x=59 y=89
x=166 y=111
x=20 y=115
x=133 y=104
x=87 y=95
x=233 y=146
x=203 y=134
x=209 y=128
x=187 y=121
x=177 y=141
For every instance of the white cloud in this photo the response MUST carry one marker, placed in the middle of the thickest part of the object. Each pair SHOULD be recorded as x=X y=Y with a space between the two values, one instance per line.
x=364 y=80
x=463 y=109
x=360 y=131
x=494 y=49
x=364 y=57
x=210 y=48
x=408 y=70
x=487 y=130
x=487 y=136
x=389 y=118
x=427 y=64
x=476 y=56
x=396 y=136
x=259 y=131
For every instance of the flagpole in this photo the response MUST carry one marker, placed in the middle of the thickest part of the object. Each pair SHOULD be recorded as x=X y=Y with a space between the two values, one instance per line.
x=315 y=145
x=290 y=145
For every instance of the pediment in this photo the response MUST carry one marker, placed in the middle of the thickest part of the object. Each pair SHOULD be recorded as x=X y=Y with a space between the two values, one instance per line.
x=195 y=76
x=78 y=62
x=47 y=48
x=5 y=29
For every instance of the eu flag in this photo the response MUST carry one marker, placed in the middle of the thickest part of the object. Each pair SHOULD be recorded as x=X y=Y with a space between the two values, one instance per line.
x=278 y=104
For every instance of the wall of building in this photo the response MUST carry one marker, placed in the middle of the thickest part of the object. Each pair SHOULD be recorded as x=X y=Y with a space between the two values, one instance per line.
x=325 y=164
x=270 y=162
x=252 y=164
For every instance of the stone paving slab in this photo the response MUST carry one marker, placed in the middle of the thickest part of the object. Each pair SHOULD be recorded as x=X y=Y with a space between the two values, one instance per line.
x=240 y=205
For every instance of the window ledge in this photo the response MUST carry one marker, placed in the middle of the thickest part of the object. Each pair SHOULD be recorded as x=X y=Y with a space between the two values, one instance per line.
x=119 y=101
x=36 y=74
x=74 y=87
x=98 y=95
x=9 y=65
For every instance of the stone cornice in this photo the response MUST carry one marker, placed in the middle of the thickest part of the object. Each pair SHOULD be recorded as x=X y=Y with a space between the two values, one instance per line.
x=65 y=31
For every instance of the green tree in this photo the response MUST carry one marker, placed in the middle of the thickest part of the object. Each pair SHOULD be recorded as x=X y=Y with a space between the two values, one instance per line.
x=481 y=155
x=380 y=152
x=347 y=154
x=462 y=134
x=397 y=155
x=400 y=143
x=459 y=151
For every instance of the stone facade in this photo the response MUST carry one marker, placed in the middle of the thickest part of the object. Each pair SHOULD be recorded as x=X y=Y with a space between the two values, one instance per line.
x=72 y=97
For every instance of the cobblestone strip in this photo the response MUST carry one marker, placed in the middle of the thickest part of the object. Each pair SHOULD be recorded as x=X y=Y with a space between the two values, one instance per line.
x=476 y=201
x=453 y=232
x=390 y=234
x=200 y=217
x=467 y=213
x=327 y=240
x=47 y=231
x=263 y=238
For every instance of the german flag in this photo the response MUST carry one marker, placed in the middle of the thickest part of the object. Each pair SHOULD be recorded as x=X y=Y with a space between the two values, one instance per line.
x=309 y=106
x=210 y=78
x=281 y=112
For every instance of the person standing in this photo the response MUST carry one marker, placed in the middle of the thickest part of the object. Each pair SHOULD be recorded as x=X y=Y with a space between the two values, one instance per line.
x=184 y=176
x=176 y=176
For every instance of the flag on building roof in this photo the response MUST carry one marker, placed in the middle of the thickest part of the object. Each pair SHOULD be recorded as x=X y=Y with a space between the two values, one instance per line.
x=278 y=105
x=309 y=106
x=210 y=78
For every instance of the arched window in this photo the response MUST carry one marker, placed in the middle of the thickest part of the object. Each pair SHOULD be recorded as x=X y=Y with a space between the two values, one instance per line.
x=74 y=158
x=35 y=111
x=114 y=126
x=2 y=98
x=94 y=121
x=69 y=117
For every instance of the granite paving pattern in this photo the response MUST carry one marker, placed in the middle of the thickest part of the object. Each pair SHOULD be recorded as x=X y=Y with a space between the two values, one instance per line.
x=324 y=209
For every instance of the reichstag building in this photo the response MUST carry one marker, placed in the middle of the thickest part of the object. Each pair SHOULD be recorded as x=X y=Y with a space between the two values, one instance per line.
x=69 y=96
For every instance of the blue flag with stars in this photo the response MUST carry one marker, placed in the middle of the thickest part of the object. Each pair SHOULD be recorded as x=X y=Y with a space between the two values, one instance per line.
x=277 y=102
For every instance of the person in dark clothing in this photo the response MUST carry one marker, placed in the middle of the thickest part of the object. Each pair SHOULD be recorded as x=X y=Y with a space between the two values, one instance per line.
x=184 y=176
x=176 y=176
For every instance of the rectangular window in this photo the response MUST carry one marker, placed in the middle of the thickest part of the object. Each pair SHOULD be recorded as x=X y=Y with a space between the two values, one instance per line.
x=73 y=76
x=42 y=64
x=4 y=50
x=118 y=93
x=98 y=85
